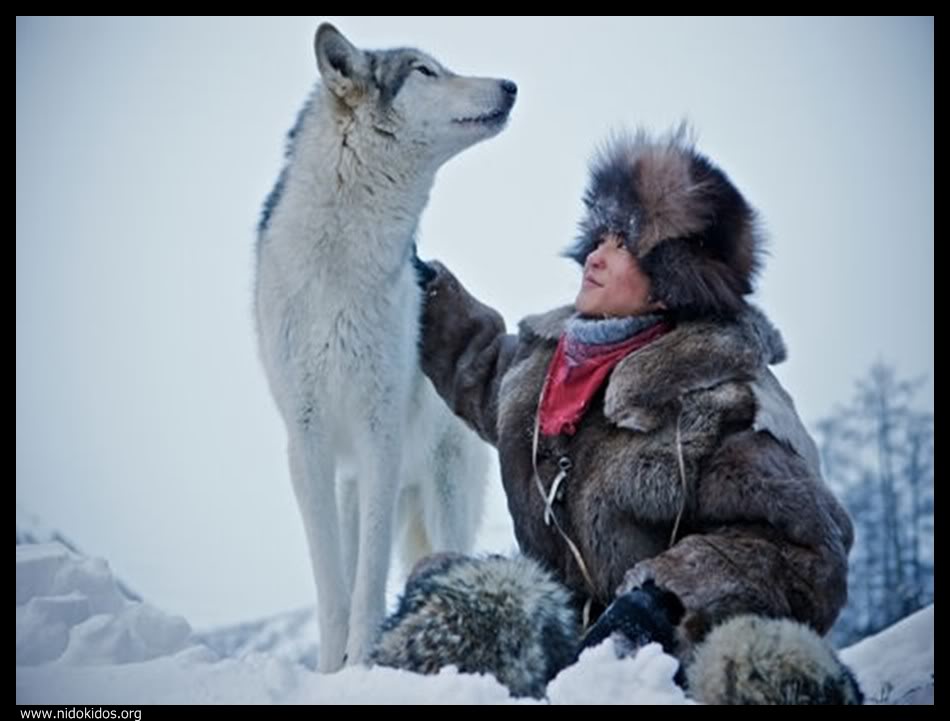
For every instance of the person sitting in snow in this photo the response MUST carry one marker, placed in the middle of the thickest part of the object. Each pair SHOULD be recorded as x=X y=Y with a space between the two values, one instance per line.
x=652 y=462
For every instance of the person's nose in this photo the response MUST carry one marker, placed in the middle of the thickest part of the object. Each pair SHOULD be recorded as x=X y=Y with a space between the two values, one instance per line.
x=595 y=260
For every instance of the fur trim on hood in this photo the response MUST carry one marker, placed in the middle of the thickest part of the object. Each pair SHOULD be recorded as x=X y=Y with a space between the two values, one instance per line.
x=691 y=230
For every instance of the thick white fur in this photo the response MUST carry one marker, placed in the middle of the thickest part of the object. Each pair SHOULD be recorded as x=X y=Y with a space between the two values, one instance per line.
x=337 y=310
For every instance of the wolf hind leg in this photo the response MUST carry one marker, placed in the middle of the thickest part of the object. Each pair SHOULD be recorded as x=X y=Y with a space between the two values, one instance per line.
x=454 y=495
x=414 y=542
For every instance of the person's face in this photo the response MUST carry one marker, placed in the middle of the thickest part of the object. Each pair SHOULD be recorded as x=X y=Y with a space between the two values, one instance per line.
x=613 y=284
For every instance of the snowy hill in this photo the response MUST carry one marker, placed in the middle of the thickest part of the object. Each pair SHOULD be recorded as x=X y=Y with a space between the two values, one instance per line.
x=30 y=529
x=81 y=640
x=896 y=666
x=290 y=636
x=69 y=609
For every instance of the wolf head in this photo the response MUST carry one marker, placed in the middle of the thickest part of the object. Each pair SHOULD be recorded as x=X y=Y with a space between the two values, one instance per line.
x=406 y=102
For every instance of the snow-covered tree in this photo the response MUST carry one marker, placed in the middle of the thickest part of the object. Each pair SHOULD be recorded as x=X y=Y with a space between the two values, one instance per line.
x=878 y=454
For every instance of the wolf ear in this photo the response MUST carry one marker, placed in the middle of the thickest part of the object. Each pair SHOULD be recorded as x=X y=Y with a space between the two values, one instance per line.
x=344 y=67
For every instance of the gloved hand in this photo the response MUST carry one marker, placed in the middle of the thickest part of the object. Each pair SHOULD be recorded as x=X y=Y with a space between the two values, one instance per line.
x=643 y=615
x=424 y=272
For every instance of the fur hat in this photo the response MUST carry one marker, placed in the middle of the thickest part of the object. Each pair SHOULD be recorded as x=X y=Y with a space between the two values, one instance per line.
x=756 y=660
x=690 y=229
x=506 y=617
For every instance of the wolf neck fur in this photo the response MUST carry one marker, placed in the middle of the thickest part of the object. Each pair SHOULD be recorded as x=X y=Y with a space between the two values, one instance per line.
x=343 y=166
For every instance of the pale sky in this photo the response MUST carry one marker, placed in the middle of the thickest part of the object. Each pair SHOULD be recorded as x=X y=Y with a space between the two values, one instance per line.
x=145 y=430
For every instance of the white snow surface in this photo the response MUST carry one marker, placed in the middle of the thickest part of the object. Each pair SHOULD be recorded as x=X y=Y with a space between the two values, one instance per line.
x=81 y=640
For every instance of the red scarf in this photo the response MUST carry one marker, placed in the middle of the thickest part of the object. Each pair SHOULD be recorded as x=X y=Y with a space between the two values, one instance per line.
x=576 y=373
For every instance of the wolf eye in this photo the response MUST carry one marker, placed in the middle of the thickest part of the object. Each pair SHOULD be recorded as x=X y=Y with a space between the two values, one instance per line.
x=425 y=70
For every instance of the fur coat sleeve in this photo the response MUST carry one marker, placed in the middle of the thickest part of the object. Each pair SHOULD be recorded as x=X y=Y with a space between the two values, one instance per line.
x=770 y=539
x=465 y=351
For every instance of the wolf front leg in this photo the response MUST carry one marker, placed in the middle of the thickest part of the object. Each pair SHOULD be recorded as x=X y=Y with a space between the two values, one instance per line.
x=379 y=483
x=312 y=469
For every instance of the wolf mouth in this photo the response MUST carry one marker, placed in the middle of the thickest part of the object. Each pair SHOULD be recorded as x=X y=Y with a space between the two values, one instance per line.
x=493 y=116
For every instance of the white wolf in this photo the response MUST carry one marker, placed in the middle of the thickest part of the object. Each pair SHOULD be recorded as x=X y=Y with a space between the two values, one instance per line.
x=337 y=310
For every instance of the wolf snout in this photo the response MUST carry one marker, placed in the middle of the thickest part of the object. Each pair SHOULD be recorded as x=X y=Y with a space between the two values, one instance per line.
x=509 y=91
x=510 y=88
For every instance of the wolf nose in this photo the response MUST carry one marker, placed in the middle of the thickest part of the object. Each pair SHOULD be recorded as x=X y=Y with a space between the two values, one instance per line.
x=509 y=87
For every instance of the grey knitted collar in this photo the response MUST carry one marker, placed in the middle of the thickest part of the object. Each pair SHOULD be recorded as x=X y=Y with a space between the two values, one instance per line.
x=600 y=331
